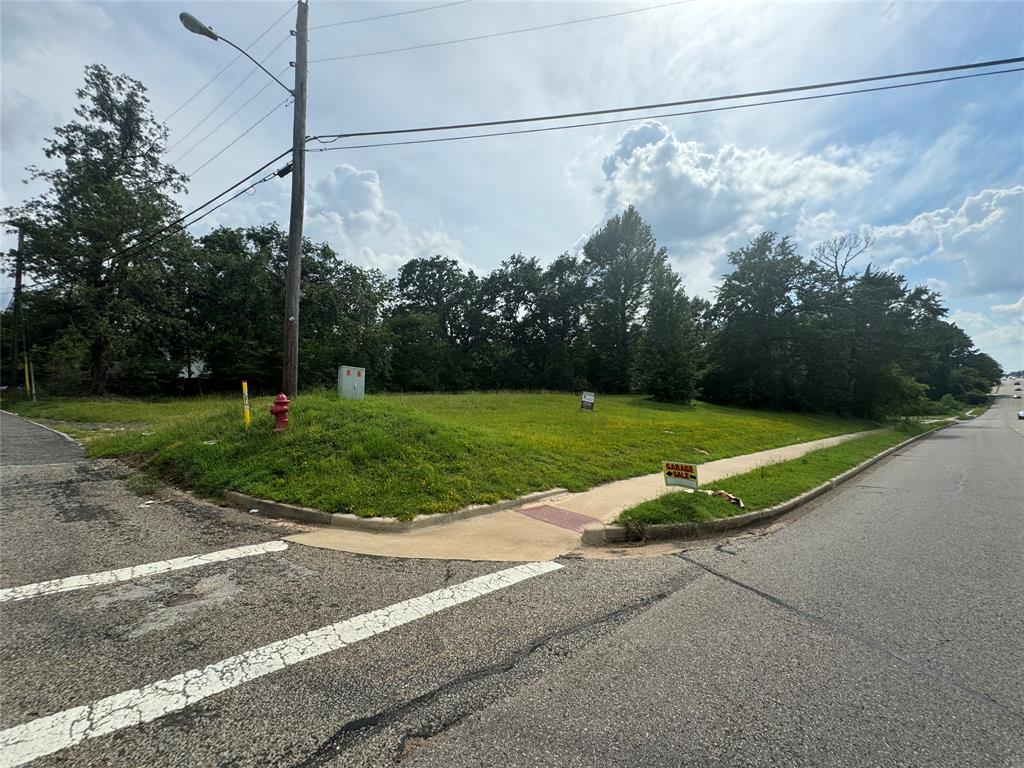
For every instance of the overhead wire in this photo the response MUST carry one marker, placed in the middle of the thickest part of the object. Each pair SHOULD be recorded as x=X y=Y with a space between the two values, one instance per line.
x=240 y=136
x=492 y=35
x=230 y=63
x=388 y=15
x=664 y=115
x=224 y=122
x=185 y=225
x=240 y=83
x=143 y=240
x=678 y=103
x=177 y=226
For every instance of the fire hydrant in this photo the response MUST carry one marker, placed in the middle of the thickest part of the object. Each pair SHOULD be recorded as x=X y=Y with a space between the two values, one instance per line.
x=279 y=409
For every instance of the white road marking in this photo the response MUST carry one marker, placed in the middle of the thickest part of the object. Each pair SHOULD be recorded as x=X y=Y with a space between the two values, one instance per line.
x=22 y=743
x=66 y=436
x=135 y=571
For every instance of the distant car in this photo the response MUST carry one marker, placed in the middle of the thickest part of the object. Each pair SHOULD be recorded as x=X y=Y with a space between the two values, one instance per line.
x=1016 y=395
x=1020 y=415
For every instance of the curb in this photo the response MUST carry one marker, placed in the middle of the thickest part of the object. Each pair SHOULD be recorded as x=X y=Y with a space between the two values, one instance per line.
x=612 y=533
x=376 y=524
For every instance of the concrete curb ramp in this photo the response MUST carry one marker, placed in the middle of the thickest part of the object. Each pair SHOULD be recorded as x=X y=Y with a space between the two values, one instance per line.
x=377 y=524
x=614 y=533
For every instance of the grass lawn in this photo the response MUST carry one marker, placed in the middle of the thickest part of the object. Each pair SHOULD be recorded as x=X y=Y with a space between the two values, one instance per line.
x=401 y=455
x=768 y=485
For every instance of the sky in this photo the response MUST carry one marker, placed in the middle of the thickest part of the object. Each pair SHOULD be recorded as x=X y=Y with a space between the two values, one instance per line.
x=934 y=174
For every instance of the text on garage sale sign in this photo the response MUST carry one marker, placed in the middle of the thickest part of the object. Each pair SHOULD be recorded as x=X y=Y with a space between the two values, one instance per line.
x=677 y=473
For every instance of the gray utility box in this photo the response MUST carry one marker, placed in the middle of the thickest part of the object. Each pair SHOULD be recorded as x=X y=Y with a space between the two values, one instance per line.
x=351 y=382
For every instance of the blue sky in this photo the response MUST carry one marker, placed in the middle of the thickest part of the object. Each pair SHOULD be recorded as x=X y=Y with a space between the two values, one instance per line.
x=935 y=174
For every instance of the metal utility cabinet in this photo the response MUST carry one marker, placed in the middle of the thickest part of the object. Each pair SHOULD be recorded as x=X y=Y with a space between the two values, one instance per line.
x=351 y=382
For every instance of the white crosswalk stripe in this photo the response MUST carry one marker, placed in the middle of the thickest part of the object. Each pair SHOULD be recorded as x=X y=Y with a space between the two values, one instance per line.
x=72 y=583
x=46 y=735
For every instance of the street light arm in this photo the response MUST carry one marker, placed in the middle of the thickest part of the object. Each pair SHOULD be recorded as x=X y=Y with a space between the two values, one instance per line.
x=250 y=58
x=194 y=25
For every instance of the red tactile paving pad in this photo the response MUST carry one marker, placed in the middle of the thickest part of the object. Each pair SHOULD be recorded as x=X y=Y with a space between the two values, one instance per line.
x=563 y=518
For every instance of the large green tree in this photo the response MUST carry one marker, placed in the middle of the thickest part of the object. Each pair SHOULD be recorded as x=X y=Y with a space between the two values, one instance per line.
x=620 y=259
x=107 y=188
x=667 y=360
x=757 y=313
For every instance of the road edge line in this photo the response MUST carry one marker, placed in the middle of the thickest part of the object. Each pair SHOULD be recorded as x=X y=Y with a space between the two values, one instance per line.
x=43 y=426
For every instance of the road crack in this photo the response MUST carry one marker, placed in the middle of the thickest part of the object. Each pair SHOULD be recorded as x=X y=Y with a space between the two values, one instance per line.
x=361 y=729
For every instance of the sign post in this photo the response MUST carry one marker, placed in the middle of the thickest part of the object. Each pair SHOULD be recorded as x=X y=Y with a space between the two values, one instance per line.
x=678 y=473
x=587 y=401
x=245 y=404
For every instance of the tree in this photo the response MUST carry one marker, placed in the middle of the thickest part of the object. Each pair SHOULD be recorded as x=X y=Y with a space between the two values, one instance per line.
x=504 y=327
x=757 y=311
x=666 y=364
x=620 y=259
x=559 y=342
x=429 y=326
x=109 y=188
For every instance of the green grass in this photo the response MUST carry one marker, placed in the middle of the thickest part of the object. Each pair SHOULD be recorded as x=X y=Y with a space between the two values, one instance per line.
x=767 y=485
x=401 y=455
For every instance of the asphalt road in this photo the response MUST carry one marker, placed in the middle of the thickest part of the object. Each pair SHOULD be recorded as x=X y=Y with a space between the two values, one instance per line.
x=879 y=626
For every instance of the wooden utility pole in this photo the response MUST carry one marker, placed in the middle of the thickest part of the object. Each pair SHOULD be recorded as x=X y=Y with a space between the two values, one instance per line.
x=293 y=280
x=16 y=304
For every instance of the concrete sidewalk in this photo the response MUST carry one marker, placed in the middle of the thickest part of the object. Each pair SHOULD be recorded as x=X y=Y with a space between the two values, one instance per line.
x=540 y=531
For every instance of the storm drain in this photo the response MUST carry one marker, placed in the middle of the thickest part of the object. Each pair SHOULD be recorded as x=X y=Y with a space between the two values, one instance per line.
x=563 y=518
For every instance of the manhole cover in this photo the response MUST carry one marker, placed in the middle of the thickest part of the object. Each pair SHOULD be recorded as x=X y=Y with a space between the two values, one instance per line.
x=563 y=518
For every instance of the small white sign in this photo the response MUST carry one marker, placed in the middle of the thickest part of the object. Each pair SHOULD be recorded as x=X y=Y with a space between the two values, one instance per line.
x=587 y=401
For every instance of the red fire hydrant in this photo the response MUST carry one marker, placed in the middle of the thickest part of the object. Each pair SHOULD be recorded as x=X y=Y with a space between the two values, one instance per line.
x=279 y=409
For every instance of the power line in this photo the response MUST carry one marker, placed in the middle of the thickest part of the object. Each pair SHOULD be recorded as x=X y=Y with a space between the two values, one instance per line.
x=177 y=227
x=680 y=103
x=220 y=103
x=180 y=223
x=669 y=114
x=147 y=238
x=389 y=15
x=223 y=122
x=235 y=140
x=228 y=65
x=500 y=34
x=185 y=225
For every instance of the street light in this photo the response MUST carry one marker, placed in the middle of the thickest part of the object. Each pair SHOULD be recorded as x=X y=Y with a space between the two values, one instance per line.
x=293 y=278
x=192 y=24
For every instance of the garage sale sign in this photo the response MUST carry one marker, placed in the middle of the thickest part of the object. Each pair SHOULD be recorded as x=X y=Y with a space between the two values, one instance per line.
x=677 y=473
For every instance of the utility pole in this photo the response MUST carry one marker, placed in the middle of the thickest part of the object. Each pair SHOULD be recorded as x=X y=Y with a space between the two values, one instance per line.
x=16 y=304
x=293 y=279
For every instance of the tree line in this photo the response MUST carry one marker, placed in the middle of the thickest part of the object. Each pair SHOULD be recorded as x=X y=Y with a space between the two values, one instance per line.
x=186 y=314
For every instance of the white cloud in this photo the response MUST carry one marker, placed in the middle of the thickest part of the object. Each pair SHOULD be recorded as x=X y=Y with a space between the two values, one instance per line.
x=690 y=191
x=1016 y=309
x=983 y=239
x=347 y=209
x=702 y=202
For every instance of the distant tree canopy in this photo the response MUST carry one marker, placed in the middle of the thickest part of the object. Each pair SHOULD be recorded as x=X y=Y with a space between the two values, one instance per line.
x=198 y=314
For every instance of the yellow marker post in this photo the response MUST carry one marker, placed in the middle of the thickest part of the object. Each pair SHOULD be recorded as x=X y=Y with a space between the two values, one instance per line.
x=28 y=387
x=245 y=403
